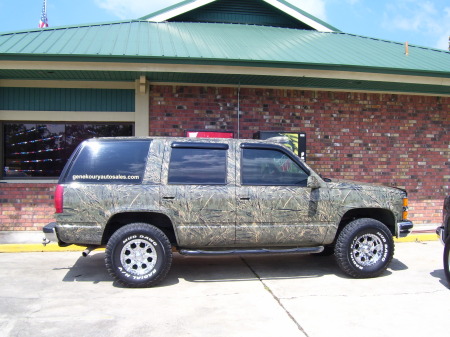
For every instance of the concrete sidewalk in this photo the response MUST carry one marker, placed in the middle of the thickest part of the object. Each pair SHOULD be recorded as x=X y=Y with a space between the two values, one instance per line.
x=31 y=241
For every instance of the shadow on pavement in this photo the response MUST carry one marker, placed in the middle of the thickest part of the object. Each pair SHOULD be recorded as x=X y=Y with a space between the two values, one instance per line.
x=237 y=268
x=440 y=274
x=397 y=265
x=88 y=269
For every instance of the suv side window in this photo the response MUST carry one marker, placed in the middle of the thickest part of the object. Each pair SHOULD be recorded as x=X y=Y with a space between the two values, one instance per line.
x=112 y=162
x=270 y=167
x=198 y=166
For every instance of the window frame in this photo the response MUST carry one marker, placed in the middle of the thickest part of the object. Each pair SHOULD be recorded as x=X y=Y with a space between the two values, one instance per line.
x=272 y=147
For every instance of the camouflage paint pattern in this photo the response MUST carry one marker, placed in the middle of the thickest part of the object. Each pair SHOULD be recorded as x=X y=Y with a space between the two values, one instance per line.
x=88 y=207
x=228 y=215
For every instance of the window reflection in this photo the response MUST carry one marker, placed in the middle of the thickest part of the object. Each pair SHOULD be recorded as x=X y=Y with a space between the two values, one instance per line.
x=197 y=166
x=270 y=167
x=41 y=150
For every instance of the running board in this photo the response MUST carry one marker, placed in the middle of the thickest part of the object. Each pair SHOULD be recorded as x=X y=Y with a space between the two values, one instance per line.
x=303 y=250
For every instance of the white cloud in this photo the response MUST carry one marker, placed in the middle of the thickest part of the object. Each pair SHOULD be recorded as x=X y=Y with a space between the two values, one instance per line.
x=133 y=9
x=421 y=18
x=443 y=41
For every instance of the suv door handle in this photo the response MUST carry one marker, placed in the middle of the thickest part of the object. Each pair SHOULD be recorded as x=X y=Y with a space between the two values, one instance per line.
x=168 y=198
x=245 y=198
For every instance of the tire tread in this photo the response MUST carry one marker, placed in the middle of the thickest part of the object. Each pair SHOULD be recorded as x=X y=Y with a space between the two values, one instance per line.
x=343 y=242
x=137 y=227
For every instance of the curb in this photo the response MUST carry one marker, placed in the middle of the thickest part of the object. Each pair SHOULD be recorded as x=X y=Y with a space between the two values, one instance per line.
x=53 y=247
x=40 y=248
x=419 y=237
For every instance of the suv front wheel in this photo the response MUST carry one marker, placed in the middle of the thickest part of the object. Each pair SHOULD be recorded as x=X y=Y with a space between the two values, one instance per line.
x=138 y=255
x=364 y=248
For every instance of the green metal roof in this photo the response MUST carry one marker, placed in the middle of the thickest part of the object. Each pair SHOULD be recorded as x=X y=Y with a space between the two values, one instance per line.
x=212 y=53
x=222 y=44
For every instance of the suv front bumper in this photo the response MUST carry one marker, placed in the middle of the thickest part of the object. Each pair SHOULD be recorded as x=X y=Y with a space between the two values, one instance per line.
x=441 y=232
x=404 y=228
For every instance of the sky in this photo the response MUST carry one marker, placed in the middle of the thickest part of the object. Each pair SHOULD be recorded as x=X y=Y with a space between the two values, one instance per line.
x=419 y=22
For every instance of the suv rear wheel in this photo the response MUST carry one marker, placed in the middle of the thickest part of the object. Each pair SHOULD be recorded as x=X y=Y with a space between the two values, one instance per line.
x=447 y=259
x=138 y=255
x=364 y=248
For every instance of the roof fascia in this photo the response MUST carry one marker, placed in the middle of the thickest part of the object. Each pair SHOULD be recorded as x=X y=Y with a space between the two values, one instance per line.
x=105 y=60
x=229 y=64
x=242 y=69
x=302 y=16
x=175 y=10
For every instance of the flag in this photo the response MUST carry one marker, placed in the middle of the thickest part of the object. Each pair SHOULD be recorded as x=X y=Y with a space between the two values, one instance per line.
x=43 y=22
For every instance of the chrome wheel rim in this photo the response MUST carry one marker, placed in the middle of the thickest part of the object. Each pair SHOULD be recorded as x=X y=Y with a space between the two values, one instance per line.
x=138 y=257
x=367 y=249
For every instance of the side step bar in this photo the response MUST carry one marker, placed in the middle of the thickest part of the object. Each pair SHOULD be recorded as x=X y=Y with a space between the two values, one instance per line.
x=304 y=250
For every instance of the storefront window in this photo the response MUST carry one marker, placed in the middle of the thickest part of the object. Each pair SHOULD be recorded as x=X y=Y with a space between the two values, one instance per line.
x=32 y=150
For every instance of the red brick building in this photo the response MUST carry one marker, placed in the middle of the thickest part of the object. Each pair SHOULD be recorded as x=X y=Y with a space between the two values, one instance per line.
x=372 y=110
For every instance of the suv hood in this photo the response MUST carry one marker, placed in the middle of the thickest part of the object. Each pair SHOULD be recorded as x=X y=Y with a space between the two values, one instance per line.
x=354 y=185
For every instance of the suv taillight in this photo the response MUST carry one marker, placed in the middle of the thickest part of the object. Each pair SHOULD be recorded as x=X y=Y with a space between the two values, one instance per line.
x=59 y=200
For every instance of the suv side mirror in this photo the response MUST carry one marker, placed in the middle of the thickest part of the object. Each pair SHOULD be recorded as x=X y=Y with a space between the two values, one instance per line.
x=313 y=182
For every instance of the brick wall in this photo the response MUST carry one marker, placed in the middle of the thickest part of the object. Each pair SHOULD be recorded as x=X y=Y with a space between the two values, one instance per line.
x=25 y=207
x=398 y=140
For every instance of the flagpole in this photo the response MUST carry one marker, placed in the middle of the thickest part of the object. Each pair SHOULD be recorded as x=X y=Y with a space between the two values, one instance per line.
x=43 y=22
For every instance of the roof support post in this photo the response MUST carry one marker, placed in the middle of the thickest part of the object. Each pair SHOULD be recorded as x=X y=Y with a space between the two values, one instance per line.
x=142 y=106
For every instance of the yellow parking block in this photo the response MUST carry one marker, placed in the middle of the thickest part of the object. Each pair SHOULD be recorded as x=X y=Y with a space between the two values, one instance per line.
x=419 y=237
x=52 y=247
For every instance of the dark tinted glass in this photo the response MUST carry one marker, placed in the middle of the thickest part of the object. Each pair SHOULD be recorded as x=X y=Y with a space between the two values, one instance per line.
x=197 y=166
x=112 y=162
x=33 y=150
x=270 y=167
x=42 y=150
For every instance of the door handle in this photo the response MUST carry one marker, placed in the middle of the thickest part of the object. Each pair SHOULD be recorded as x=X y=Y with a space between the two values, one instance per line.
x=245 y=198
x=168 y=198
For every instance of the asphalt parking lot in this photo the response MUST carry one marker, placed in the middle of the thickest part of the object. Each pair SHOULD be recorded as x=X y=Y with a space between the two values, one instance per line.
x=64 y=294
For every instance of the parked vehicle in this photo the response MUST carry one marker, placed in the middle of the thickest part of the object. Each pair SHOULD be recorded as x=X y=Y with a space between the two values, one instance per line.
x=141 y=197
x=444 y=235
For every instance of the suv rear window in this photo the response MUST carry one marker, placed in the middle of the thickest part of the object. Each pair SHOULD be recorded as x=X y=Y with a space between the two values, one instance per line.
x=112 y=162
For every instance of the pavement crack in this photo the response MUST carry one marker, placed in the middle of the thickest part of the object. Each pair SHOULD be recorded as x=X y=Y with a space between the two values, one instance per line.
x=276 y=298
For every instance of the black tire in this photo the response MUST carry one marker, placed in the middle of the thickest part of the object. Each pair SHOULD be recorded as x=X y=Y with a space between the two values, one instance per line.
x=364 y=248
x=138 y=255
x=447 y=260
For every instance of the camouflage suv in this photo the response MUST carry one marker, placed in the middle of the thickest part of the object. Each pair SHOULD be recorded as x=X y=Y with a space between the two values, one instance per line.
x=146 y=197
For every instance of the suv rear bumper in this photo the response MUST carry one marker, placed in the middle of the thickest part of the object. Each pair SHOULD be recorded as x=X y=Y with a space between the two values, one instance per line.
x=404 y=228
x=50 y=232
x=76 y=234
